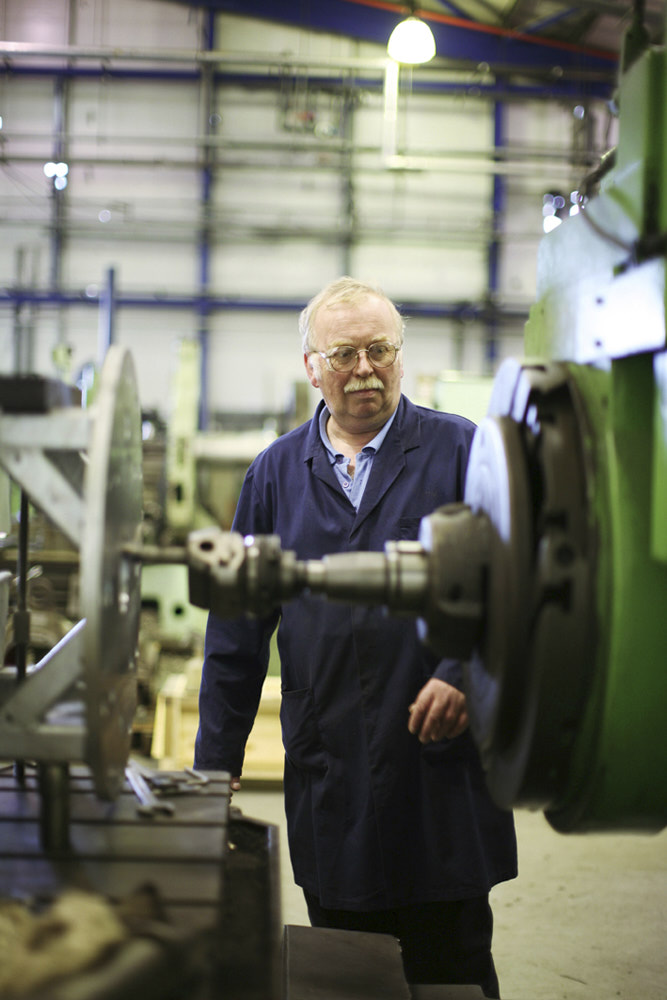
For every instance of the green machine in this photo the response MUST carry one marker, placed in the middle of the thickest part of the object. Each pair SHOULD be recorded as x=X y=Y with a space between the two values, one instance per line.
x=572 y=719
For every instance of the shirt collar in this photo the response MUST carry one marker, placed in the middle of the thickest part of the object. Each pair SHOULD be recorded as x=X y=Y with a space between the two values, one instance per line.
x=373 y=445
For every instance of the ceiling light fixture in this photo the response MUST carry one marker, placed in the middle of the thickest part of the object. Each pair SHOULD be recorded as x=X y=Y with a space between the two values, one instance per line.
x=411 y=41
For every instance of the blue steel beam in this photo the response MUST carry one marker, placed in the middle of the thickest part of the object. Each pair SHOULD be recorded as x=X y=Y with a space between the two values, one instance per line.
x=207 y=178
x=537 y=26
x=107 y=316
x=495 y=244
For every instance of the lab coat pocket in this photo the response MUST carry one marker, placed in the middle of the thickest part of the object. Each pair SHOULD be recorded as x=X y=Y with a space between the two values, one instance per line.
x=445 y=751
x=301 y=734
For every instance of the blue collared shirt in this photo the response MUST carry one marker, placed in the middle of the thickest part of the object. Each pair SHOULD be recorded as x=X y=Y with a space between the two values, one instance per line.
x=355 y=485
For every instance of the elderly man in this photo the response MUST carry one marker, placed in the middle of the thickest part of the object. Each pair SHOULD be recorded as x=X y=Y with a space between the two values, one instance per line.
x=390 y=825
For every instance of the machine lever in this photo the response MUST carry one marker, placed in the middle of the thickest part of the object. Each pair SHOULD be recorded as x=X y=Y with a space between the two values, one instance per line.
x=149 y=803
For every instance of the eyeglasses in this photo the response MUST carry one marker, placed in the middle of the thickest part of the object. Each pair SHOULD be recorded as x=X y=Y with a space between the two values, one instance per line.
x=343 y=359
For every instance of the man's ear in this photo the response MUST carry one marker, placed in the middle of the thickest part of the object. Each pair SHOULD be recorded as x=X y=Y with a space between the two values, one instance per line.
x=311 y=369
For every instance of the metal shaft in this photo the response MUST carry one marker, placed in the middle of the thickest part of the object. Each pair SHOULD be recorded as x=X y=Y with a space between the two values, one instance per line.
x=396 y=578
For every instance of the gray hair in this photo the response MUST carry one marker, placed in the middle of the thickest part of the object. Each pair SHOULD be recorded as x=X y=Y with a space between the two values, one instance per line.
x=343 y=291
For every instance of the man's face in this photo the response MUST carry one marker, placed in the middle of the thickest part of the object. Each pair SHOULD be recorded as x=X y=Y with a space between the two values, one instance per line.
x=362 y=400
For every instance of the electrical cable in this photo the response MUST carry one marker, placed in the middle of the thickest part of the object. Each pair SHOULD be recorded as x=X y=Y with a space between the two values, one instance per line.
x=642 y=249
x=591 y=180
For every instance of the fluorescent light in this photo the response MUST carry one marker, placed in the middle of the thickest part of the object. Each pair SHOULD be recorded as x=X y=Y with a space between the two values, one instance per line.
x=411 y=42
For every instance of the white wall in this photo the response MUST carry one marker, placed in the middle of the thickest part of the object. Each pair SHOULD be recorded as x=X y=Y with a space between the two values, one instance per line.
x=278 y=210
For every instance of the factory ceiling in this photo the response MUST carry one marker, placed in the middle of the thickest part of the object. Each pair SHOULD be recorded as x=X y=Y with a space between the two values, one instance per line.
x=535 y=36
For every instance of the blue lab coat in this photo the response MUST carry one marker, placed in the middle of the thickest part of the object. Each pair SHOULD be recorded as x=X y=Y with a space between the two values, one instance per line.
x=375 y=819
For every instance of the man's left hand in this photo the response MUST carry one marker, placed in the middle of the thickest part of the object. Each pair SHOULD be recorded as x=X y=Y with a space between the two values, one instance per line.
x=438 y=712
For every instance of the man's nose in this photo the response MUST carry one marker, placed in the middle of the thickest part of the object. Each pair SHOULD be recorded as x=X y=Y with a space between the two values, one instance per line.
x=363 y=365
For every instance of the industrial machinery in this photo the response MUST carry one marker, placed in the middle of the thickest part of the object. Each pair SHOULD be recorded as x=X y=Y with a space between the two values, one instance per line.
x=550 y=581
x=114 y=881
x=46 y=443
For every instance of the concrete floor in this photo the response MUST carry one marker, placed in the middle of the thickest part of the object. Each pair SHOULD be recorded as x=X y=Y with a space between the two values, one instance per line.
x=585 y=920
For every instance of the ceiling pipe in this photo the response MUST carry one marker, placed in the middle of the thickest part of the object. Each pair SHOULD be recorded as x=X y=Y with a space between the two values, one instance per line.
x=495 y=161
x=467 y=310
x=291 y=146
x=577 y=85
x=110 y=57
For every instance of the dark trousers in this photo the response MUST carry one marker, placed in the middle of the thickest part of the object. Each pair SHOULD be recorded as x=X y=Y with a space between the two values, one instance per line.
x=448 y=942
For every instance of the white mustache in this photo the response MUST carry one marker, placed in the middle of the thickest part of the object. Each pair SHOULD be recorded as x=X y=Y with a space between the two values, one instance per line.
x=359 y=384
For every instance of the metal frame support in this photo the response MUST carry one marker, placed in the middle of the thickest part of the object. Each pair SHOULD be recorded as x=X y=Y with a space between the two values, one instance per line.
x=493 y=257
x=42 y=454
x=107 y=315
x=207 y=89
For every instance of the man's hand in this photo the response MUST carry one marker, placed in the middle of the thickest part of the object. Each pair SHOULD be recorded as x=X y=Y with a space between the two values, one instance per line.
x=439 y=711
x=235 y=784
